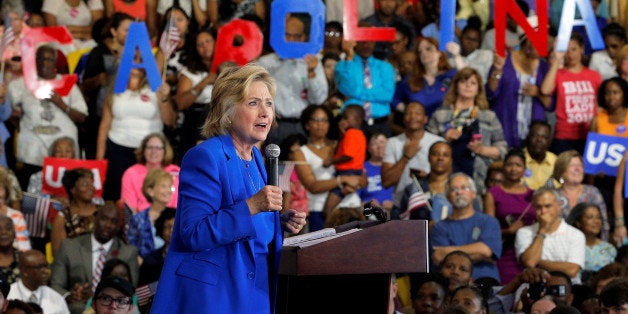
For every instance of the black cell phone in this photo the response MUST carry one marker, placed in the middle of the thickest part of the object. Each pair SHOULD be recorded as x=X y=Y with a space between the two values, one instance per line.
x=16 y=59
x=536 y=290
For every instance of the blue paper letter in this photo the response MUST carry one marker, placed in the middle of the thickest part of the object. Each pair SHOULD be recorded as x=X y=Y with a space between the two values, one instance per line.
x=137 y=39
x=289 y=50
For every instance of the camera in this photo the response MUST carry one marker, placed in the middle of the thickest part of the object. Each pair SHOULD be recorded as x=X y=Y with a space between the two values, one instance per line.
x=536 y=290
x=540 y=289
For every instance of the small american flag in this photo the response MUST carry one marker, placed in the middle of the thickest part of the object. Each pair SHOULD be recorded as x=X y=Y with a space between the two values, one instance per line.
x=8 y=36
x=145 y=293
x=286 y=168
x=35 y=209
x=417 y=199
x=170 y=39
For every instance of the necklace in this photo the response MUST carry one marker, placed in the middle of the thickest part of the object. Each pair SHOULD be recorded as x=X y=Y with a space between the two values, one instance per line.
x=247 y=164
x=318 y=146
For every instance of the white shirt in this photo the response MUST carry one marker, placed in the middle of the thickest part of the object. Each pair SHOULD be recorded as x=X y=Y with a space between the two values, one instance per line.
x=603 y=64
x=481 y=60
x=566 y=244
x=49 y=300
x=135 y=115
x=295 y=90
x=96 y=250
x=72 y=16
x=42 y=122
x=394 y=152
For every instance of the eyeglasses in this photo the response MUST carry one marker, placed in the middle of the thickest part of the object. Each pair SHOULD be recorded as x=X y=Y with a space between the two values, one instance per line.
x=154 y=147
x=333 y=34
x=121 y=303
x=460 y=189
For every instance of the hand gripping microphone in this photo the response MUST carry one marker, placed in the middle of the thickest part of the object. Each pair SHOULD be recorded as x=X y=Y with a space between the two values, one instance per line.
x=272 y=164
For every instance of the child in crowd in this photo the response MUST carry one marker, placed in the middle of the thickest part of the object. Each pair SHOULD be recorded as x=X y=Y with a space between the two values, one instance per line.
x=350 y=153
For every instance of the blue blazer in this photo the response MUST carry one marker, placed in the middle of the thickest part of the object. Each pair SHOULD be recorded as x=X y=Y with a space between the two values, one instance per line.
x=210 y=265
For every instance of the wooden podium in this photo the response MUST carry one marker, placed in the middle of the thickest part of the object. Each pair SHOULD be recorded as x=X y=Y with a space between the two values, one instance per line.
x=351 y=273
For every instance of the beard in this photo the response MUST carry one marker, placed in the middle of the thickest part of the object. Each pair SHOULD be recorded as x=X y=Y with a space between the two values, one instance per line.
x=461 y=201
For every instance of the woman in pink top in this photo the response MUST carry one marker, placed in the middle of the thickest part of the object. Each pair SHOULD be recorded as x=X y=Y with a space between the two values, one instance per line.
x=155 y=151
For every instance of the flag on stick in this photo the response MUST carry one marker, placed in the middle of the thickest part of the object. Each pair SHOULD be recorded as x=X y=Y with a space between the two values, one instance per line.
x=7 y=38
x=286 y=168
x=169 y=41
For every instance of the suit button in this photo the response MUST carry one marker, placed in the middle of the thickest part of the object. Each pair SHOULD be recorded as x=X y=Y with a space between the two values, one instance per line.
x=250 y=275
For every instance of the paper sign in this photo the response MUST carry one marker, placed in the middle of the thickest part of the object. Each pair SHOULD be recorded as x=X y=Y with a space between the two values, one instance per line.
x=353 y=32
x=447 y=20
x=32 y=39
x=539 y=38
x=250 y=49
x=290 y=50
x=137 y=40
x=603 y=153
x=54 y=168
x=568 y=21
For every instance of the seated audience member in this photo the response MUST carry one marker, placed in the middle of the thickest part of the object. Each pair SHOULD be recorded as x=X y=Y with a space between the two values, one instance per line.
x=510 y=203
x=294 y=193
x=494 y=174
x=115 y=267
x=374 y=191
x=114 y=293
x=301 y=81
x=33 y=284
x=77 y=17
x=408 y=152
x=78 y=217
x=9 y=255
x=157 y=189
x=19 y=307
x=603 y=61
x=76 y=269
x=63 y=147
x=599 y=253
x=470 y=51
x=457 y=268
x=428 y=292
x=470 y=298
x=472 y=129
x=539 y=160
x=43 y=120
x=606 y=274
x=614 y=297
x=467 y=230
x=154 y=262
x=551 y=243
x=569 y=173
x=366 y=81
x=542 y=306
x=154 y=152
x=22 y=242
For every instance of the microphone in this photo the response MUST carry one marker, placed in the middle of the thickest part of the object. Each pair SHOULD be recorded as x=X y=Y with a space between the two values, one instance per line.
x=272 y=154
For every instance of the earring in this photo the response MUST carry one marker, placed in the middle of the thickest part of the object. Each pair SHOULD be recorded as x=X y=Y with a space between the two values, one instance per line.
x=561 y=180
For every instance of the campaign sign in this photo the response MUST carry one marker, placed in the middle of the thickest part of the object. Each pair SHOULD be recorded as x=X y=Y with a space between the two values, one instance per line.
x=603 y=153
x=54 y=168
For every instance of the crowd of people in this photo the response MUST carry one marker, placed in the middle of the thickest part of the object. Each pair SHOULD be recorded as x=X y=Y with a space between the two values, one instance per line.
x=489 y=149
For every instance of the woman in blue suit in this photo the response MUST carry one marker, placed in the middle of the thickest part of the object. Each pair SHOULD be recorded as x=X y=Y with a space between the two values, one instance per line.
x=226 y=242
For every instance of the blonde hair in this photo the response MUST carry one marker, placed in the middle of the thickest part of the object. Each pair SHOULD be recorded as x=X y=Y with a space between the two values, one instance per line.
x=562 y=162
x=152 y=178
x=230 y=89
x=463 y=75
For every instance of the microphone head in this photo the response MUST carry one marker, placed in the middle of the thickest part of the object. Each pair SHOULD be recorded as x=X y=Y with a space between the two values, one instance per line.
x=272 y=151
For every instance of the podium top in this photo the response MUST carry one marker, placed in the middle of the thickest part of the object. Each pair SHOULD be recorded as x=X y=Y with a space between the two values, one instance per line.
x=396 y=246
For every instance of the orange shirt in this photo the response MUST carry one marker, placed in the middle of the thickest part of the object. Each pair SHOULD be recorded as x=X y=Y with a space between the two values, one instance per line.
x=607 y=128
x=352 y=144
